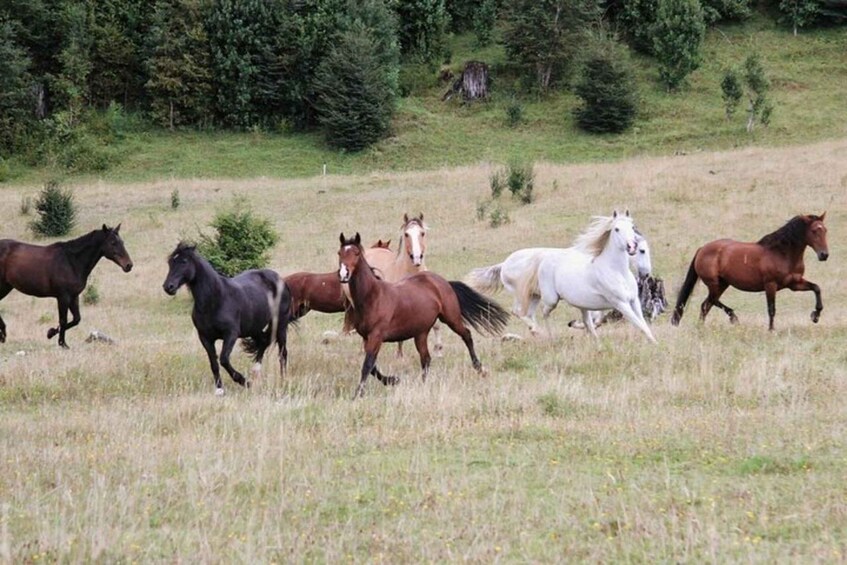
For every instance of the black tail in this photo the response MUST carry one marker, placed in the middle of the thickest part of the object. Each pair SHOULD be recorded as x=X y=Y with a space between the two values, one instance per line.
x=685 y=292
x=483 y=314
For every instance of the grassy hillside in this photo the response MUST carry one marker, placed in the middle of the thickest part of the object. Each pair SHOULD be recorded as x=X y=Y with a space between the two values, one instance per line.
x=807 y=71
x=721 y=443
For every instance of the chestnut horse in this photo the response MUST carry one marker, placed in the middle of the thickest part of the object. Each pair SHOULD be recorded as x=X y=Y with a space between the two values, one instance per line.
x=59 y=270
x=394 y=312
x=771 y=264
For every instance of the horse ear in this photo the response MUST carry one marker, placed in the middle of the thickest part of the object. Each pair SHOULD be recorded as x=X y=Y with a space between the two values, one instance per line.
x=105 y=227
x=823 y=215
x=358 y=239
x=615 y=214
x=627 y=213
x=405 y=219
x=341 y=238
x=117 y=228
x=421 y=217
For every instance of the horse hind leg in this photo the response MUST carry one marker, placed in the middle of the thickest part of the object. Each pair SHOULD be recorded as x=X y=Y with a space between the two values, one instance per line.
x=423 y=350
x=4 y=290
x=713 y=299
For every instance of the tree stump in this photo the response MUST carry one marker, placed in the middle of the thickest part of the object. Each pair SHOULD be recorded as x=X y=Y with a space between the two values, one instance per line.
x=472 y=83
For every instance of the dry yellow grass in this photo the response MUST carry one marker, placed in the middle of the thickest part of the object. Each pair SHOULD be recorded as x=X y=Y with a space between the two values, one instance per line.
x=720 y=444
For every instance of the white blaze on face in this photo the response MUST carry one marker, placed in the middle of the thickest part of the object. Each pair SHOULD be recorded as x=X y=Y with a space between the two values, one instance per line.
x=415 y=235
x=642 y=257
x=343 y=272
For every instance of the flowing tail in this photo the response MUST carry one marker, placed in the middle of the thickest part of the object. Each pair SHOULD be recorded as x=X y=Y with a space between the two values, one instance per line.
x=483 y=314
x=685 y=292
x=486 y=279
x=276 y=288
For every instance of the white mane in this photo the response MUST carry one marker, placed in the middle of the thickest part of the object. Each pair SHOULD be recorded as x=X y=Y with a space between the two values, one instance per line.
x=593 y=240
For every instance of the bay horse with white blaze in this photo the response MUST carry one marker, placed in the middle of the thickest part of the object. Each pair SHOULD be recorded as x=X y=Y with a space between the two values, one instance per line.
x=394 y=312
x=771 y=264
x=253 y=306
x=59 y=270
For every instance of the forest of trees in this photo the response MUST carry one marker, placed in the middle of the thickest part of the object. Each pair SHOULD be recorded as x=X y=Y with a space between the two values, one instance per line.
x=70 y=68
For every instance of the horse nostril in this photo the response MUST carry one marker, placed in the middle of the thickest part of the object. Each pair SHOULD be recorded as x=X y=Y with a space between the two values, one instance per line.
x=823 y=255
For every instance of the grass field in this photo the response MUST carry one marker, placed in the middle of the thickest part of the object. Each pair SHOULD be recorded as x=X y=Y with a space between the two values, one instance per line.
x=721 y=443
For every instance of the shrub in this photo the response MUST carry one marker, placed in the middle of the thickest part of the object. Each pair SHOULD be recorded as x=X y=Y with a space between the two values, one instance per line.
x=91 y=296
x=637 y=19
x=496 y=181
x=520 y=178
x=175 y=199
x=56 y=211
x=677 y=37
x=731 y=92
x=26 y=205
x=498 y=217
x=607 y=90
x=242 y=240
x=514 y=113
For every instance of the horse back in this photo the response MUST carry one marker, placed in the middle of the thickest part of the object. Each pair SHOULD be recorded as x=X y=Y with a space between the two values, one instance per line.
x=745 y=265
x=36 y=270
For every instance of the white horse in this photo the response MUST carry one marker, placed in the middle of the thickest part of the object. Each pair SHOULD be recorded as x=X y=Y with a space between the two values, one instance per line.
x=515 y=267
x=592 y=275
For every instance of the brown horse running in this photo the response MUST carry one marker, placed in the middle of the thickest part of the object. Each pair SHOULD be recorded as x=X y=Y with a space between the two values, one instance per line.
x=59 y=270
x=408 y=309
x=773 y=263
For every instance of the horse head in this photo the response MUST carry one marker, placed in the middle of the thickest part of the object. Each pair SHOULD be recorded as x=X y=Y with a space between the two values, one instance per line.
x=623 y=232
x=113 y=248
x=181 y=268
x=349 y=256
x=643 y=261
x=414 y=238
x=816 y=236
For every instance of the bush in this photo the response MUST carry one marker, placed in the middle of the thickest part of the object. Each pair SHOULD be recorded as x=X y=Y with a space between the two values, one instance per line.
x=514 y=113
x=637 y=19
x=677 y=37
x=498 y=217
x=56 y=211
x=731 y=92
x=520 y=178
x=496 y=182
x=608 y=94
x=356 y=93
x=91 y=296
x=175 y=199
x=242 y=240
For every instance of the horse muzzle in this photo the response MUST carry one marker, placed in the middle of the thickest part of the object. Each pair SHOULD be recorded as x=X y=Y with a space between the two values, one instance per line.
x=128 y=267
x=823 y=255
x=170 y=288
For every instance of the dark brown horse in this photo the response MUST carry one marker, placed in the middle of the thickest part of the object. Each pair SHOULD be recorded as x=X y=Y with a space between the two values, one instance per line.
x=773 y=263
x=59 y=271
x=393 y=312
x=321 y=292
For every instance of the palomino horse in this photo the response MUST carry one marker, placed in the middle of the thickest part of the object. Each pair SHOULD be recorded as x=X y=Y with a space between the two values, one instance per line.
x=516 y=266
x=59 y=270
x=771 y=264
x=253 y=306
x=394 y=312
x=408 y=260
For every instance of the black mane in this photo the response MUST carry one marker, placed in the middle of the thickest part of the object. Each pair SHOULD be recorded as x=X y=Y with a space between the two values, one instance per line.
x=83 y=242
x=792 y=234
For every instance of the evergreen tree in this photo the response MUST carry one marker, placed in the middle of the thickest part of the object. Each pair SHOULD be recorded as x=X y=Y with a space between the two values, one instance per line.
x=677 y=38
x=71 y=85
x=423 y=28
x=607 y=90
x=179 y=87
x=638 y=17
x=118 y=73
x=16 y=110
x=355 y=94
x=544 y=36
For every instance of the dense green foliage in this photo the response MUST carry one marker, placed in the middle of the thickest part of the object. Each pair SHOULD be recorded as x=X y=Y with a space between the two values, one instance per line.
x=607 y=90
x=77 y=76
x=677 y=37
x=242 y=240
x=56 y=211
x=543 y=37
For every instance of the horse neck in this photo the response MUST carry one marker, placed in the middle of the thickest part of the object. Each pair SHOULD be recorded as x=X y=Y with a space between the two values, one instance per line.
x=84 y=253
x=363 y=283
x=205 y=286
x=612 y=258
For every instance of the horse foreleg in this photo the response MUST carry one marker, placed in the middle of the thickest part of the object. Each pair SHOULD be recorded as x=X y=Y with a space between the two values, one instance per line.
x=209 y=346
x=770 y=296
x=588 y=322
x=63 y=322
x=368 y=366
x=226 y=350
x=803 y=284
x=632 y=312
x=423 y=350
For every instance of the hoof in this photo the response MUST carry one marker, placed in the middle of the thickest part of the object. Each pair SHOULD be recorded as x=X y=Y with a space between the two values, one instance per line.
x=219 y=392
x=816 y=316
x=391 y=381
x=733 y=319
x=51 y=333
x=2 y=337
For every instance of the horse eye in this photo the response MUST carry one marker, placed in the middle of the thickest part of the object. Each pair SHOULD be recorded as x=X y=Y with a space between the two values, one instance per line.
x=643 y=252
x=617 y=229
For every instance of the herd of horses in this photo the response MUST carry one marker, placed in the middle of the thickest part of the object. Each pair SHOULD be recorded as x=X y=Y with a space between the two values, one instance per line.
x=390 y=296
